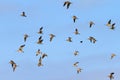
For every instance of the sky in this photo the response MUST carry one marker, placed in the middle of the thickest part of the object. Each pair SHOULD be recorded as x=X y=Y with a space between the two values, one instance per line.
x=94 y=59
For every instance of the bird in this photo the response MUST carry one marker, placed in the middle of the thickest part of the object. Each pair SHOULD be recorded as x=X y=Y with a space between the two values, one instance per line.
x=67 y=3
x=40 y=40
x=74 y=18
x=44 y=55
x=25 y=37
x=40 y=31
x=81 y=41
x=76 y=53
x=75 y=64
x=23 y=14
x=92 y=39
x=21 y=48
x=113 y=26
x=112 y=55
x=76 y=31
x=91 y=24
x=78 y=70
x=38 y=52
x=111 y=76
x=51 y=37
x=40 y=62
x=14 y=65
x=69 y=39
x=108 y=23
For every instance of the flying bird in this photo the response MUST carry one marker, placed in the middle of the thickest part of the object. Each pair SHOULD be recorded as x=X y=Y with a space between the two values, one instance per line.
x=113 y=26
x=69 y=39
x=75 y=64
x=67 y=3
x=76 y=53
x=51 y=37
x=108 y=23
x=25 y=37
x=92 y=39
x=78 y=70
x=111 y=76
x=14 y=65
x=23 y=14
x=38 y=52
x=40 y=62
x=76 y=31
x=21 y=48
x=74 y=18
x=41 y=30
x=40 y=40
x=91 y=24
x=113 y=55
x=44 y=55
x=81 y=41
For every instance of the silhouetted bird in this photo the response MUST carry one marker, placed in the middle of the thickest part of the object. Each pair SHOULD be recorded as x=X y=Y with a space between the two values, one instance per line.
x=40 y=62
x=14 y=65
x=69 y=39
x=25 y=37
x=78 y=70
x=76 y=31
x=92 y=39
x=40 y=31
x=113 y=26
x=81 y=41
x=111 y=76
x=40 y=40
x=67 y=3
x=109 y=23
x=76 y=53
x=21 y=48
x=23 y=14
x=74 y=18
x=51 y=37
x=91 y=24
x=113 y=55
x=75 y=64
x=38 y=52
x=44 y=55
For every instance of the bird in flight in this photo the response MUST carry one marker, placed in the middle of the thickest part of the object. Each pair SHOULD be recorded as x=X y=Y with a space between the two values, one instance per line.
x=91 y=24
x=113 y=26
x=74 y=18
x=111 y=76
x=92 y=39
x=25 y=37
x=14 y=65
x=76 y=31
x=51 y=37
x=44 y=55
x=21 y=48
x=40 y=62
x=38 y=52
x=75 y=64
x=78 y=70
x=23 y=14
x=67 y=3
x=69 y=39
x=40 y=40
x=108 y=23
x=76 y=53
x=40 y=31
x=112 y=55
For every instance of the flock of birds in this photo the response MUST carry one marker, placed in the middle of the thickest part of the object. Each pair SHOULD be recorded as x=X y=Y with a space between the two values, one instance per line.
x=69 y=39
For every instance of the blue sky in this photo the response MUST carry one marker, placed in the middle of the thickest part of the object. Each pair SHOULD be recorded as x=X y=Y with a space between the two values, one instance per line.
x=94 y=59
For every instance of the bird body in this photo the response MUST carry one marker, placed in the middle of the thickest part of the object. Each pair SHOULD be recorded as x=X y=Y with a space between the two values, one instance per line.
x=78 y=70
x=67 y=3
x=23 y=14
x=40 y=31
x=76 y=53
x=21 y=48
x=69 y=39
x=76 y=31
x=75 y=64
x=25 y=37
x=91 y=23
x=111 y=76
x=51 y=37
x=113 y=55
x=74 y=18
x=14 y=65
